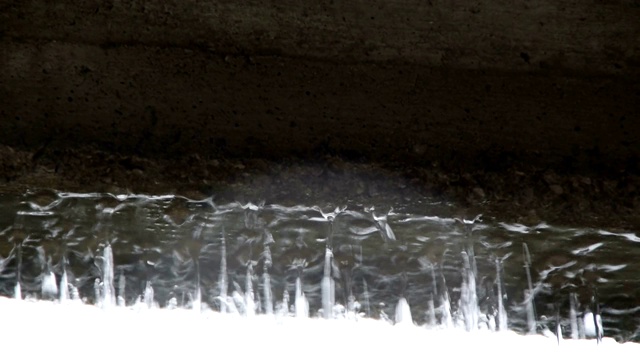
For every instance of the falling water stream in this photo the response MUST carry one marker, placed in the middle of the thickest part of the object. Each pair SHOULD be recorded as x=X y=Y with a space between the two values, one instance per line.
x=403 y=264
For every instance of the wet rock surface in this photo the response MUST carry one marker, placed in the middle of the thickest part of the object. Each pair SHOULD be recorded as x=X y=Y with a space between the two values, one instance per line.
x=524 y=194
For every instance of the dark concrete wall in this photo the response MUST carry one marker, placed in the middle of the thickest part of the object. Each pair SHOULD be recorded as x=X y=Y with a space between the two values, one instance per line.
x=475 y=83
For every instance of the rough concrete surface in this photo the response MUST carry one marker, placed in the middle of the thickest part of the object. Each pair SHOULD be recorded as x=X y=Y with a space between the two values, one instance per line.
x=462 y=87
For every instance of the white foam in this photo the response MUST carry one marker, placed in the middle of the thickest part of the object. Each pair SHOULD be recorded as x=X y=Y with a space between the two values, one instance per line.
x=75 y=331
x=587 y=250
x=629 y=236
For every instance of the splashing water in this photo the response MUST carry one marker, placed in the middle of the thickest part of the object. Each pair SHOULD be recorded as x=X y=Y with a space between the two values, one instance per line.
x=338 y=263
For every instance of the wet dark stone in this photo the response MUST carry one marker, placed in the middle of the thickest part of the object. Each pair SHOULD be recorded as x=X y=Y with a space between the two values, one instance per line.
x=318 y=108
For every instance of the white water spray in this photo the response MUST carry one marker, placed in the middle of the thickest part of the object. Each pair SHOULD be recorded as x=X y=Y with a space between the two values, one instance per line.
x=403 y=313
x=431 y=312
x=196 y=302
x=17 y=291
x=108 y=291
x=263 y=299
x=529 y=294
x=266 y=278
x=502 y=313
x=196 y=299
x=222 y=280
x=301 y=304
x=447 y=319
x=121 y=290
x=573 y=317
x=468 y=296
x=149 y=295
x=64 y=287
x=249 y=301
x=328 y=286
x=49 y=288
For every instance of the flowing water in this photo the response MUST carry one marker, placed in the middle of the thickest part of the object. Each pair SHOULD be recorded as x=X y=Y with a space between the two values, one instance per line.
x=412 y=264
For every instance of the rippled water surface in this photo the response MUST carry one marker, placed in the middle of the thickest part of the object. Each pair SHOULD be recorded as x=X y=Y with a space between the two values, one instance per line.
x=414 y=262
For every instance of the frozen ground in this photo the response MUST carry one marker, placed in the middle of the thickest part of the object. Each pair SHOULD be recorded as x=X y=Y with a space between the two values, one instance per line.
x=44 y=329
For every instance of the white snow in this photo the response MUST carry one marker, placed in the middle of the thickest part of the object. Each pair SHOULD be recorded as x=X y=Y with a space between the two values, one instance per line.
x=72 y=330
